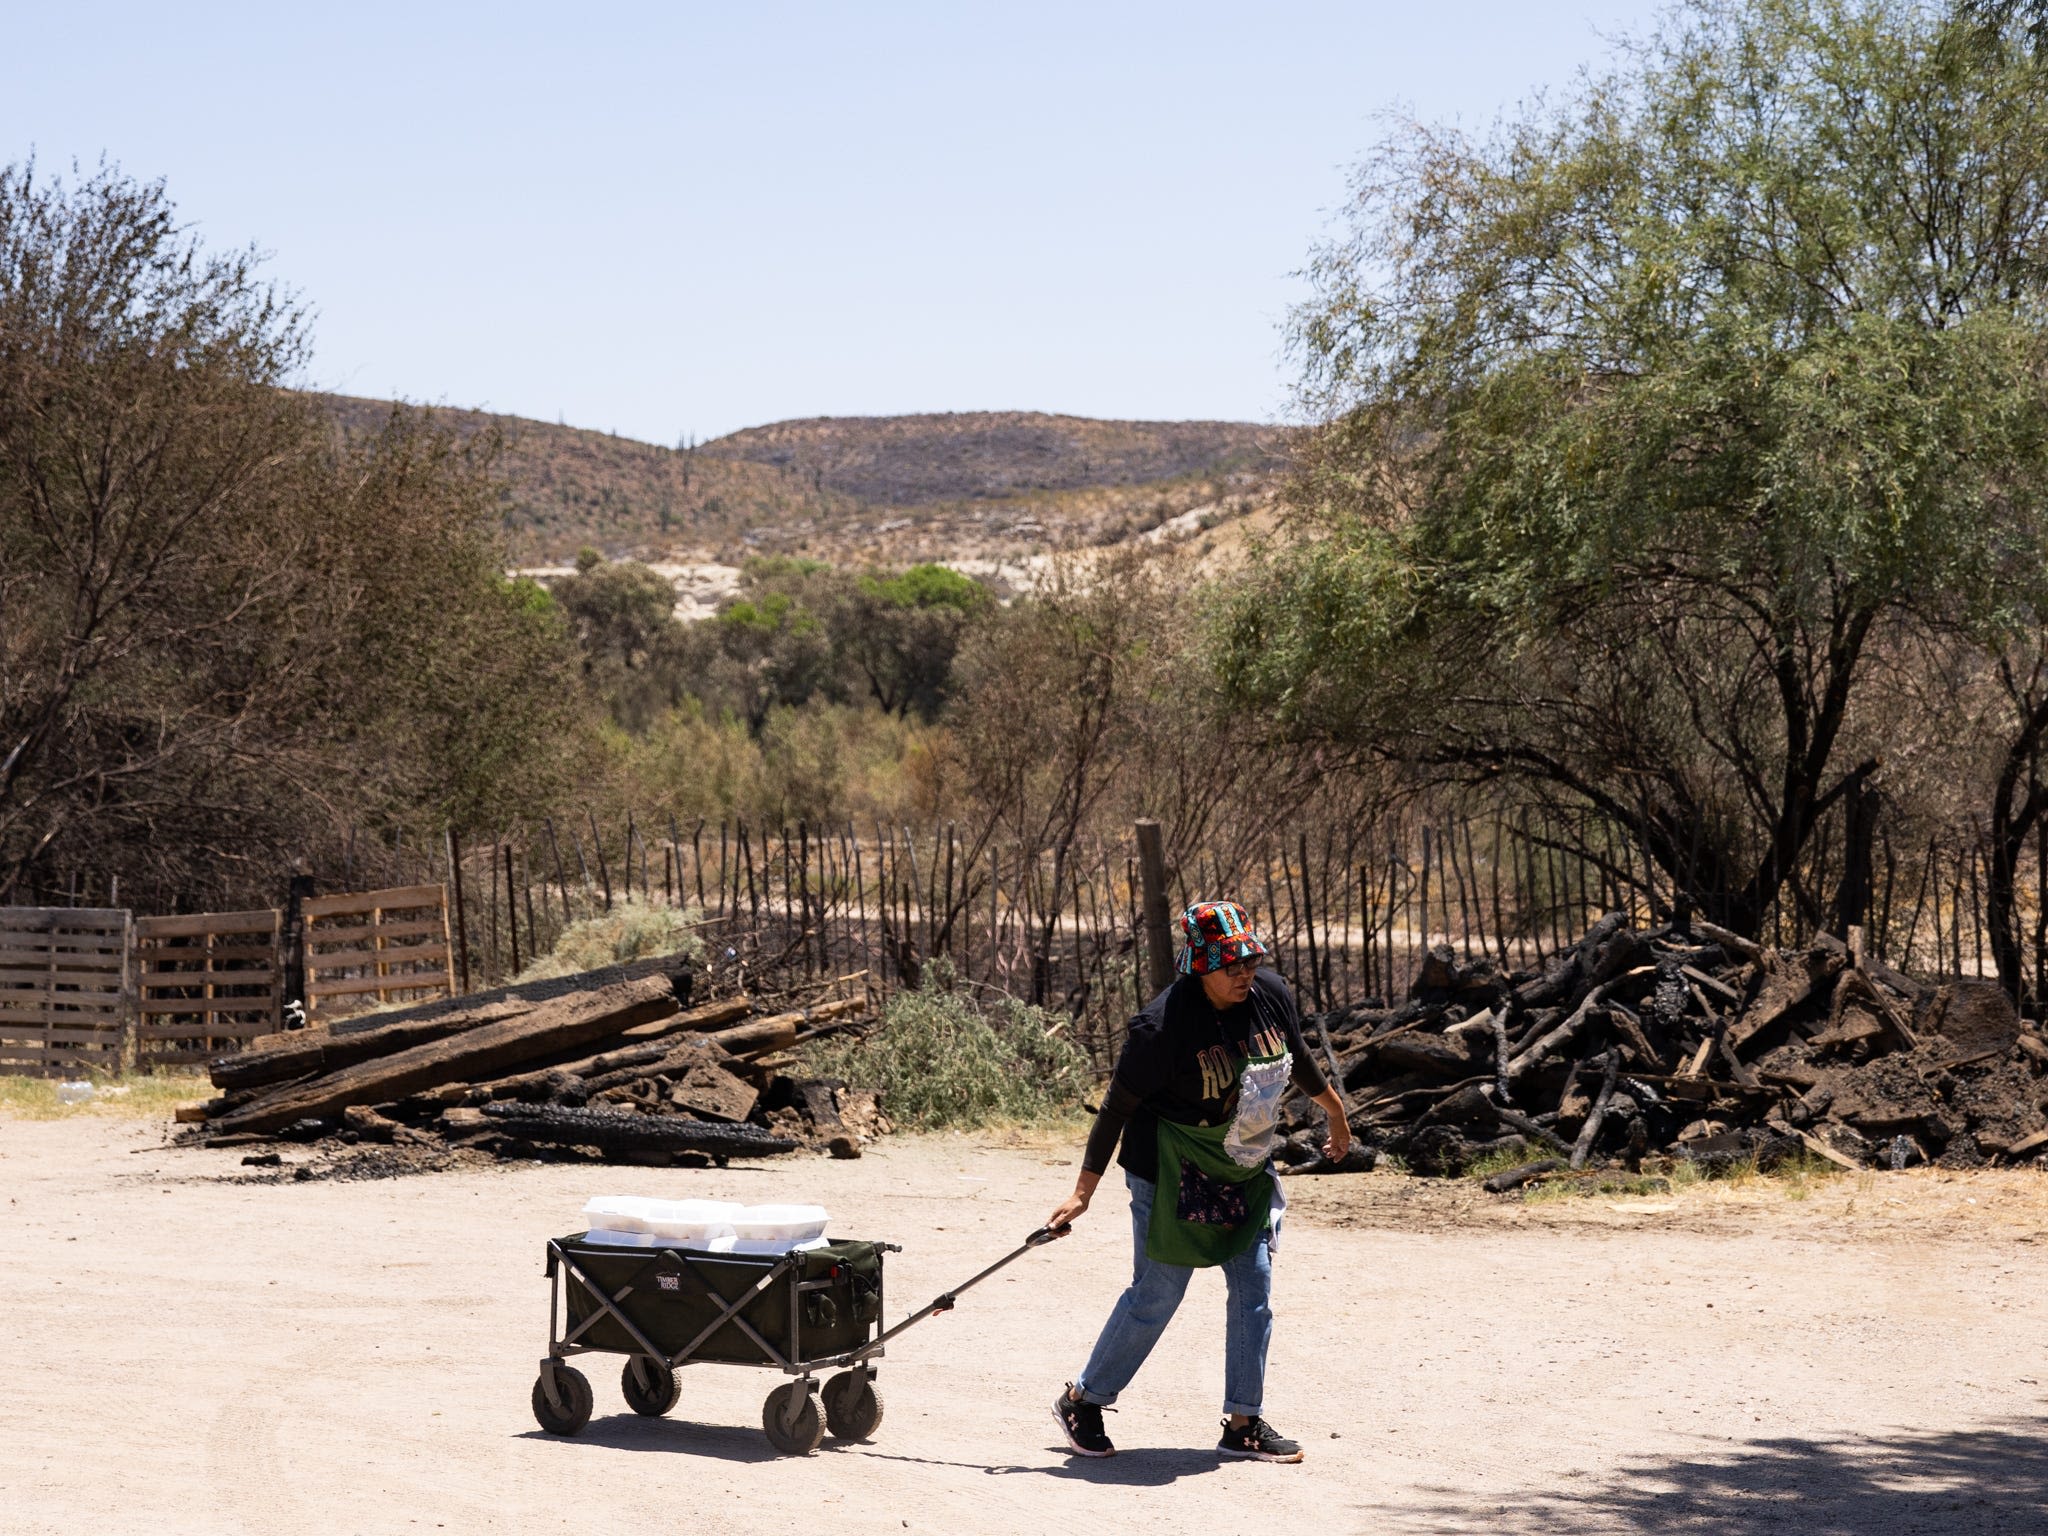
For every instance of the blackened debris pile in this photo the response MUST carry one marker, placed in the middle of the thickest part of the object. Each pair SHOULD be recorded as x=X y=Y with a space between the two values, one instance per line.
x=1682 y=1041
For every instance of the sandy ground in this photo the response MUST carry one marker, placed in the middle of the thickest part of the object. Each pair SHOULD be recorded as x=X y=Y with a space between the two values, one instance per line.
x=194 y=1350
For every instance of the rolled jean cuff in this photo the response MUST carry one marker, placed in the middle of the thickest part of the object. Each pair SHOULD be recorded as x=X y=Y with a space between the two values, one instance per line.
x=1099 y=1399
x=1249 y=1410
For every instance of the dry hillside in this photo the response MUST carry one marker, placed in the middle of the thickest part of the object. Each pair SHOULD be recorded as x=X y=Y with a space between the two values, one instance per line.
x=916 y=461
x=988 y=485
x=567 y=487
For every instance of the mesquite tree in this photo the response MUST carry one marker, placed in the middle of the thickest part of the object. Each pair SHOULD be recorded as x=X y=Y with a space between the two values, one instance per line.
x=226 y=630
x=1654 y=424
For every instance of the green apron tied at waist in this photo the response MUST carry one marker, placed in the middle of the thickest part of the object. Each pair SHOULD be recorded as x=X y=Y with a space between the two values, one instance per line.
x=1209 y=1208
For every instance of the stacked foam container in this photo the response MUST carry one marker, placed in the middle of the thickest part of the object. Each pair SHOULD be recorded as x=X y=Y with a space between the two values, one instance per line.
x=707 y=1226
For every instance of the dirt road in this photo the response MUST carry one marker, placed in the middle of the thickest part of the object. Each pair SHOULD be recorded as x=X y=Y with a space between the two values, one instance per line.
x=189 y=1352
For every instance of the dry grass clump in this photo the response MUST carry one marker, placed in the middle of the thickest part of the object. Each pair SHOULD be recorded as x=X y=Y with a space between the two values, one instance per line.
x=1796 y=1177
x=137 y=1095
x=632 y=930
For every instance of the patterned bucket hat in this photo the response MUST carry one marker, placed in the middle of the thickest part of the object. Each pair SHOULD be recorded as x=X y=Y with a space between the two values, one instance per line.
x=1216 y=934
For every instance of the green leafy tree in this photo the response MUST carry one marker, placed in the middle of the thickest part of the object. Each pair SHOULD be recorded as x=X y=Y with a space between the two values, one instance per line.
x=901 y=633
x=1656 y=425
x=634 y=650
x=772 y=646
x=620 y=611
x=801 y=631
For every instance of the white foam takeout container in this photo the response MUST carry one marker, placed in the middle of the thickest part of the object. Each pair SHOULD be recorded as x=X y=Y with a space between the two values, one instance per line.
x=713 y=1226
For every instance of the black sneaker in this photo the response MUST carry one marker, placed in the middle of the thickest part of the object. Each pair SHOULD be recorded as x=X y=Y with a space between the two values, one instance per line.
x=1259 y=1441
x=1081 y=1423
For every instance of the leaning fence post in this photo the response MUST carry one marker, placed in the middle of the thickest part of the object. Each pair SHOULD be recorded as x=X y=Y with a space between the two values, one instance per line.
x=512 y=907
x=461 y=915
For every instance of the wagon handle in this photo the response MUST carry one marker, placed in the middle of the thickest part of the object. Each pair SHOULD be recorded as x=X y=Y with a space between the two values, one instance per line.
x=947 y=1301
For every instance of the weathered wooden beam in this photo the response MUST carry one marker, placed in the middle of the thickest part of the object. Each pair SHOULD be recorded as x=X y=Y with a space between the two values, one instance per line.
x=757 y=1037
x=681 y=1057
x=561 y=1024
x=710 y=1016
x=274 y=1058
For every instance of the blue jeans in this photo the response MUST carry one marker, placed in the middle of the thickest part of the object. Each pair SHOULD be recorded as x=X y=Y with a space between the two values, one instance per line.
x=1144 y=1310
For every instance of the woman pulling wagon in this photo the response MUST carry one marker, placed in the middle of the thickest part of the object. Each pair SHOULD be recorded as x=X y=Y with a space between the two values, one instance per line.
x=1195 y=1099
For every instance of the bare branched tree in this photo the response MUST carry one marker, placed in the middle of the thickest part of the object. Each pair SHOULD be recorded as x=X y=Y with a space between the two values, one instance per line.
x=141 y=421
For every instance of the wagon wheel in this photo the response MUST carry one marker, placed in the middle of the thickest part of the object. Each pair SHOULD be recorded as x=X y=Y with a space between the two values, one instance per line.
x=574 y=1389
x=650 y=1387
x=803 y=1439
x=853 y=1408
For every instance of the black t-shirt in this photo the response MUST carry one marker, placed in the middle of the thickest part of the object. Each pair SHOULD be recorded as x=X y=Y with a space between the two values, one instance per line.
x=1182 y=1059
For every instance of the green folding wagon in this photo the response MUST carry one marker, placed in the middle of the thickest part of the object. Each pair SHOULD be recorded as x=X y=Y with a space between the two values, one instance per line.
x=804 y=1312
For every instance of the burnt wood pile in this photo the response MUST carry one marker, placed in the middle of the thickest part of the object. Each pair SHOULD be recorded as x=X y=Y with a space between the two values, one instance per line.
x=1680 y=1042
x=620 y=1066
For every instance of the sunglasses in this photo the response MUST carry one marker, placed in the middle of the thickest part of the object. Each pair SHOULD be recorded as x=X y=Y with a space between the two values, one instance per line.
x=1245 y=967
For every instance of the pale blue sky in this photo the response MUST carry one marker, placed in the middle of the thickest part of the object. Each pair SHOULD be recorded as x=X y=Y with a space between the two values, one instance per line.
x=659 y=219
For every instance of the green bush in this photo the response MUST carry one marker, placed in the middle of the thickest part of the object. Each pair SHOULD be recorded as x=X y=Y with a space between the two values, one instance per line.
x=939 y=1060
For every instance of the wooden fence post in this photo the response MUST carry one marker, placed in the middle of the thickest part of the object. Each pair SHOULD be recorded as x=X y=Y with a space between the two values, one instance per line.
x=1158 y=936
x=1308 y=917
x=604 y=869
x=1425 y=887
x=293 y=989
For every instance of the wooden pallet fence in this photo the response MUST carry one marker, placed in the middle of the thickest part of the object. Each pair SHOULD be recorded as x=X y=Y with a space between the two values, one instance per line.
x=205 y=983
x=64 y=989
x=376 y=946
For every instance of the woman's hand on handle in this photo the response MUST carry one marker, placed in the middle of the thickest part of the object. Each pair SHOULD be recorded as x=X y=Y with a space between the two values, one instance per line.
x=1064 y=1213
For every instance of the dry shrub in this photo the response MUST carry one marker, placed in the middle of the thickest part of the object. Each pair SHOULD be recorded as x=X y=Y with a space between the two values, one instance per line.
x=941 y=1060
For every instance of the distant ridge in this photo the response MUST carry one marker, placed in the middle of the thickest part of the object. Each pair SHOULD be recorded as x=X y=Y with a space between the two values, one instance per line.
x=909 y=461
x=877 y=488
